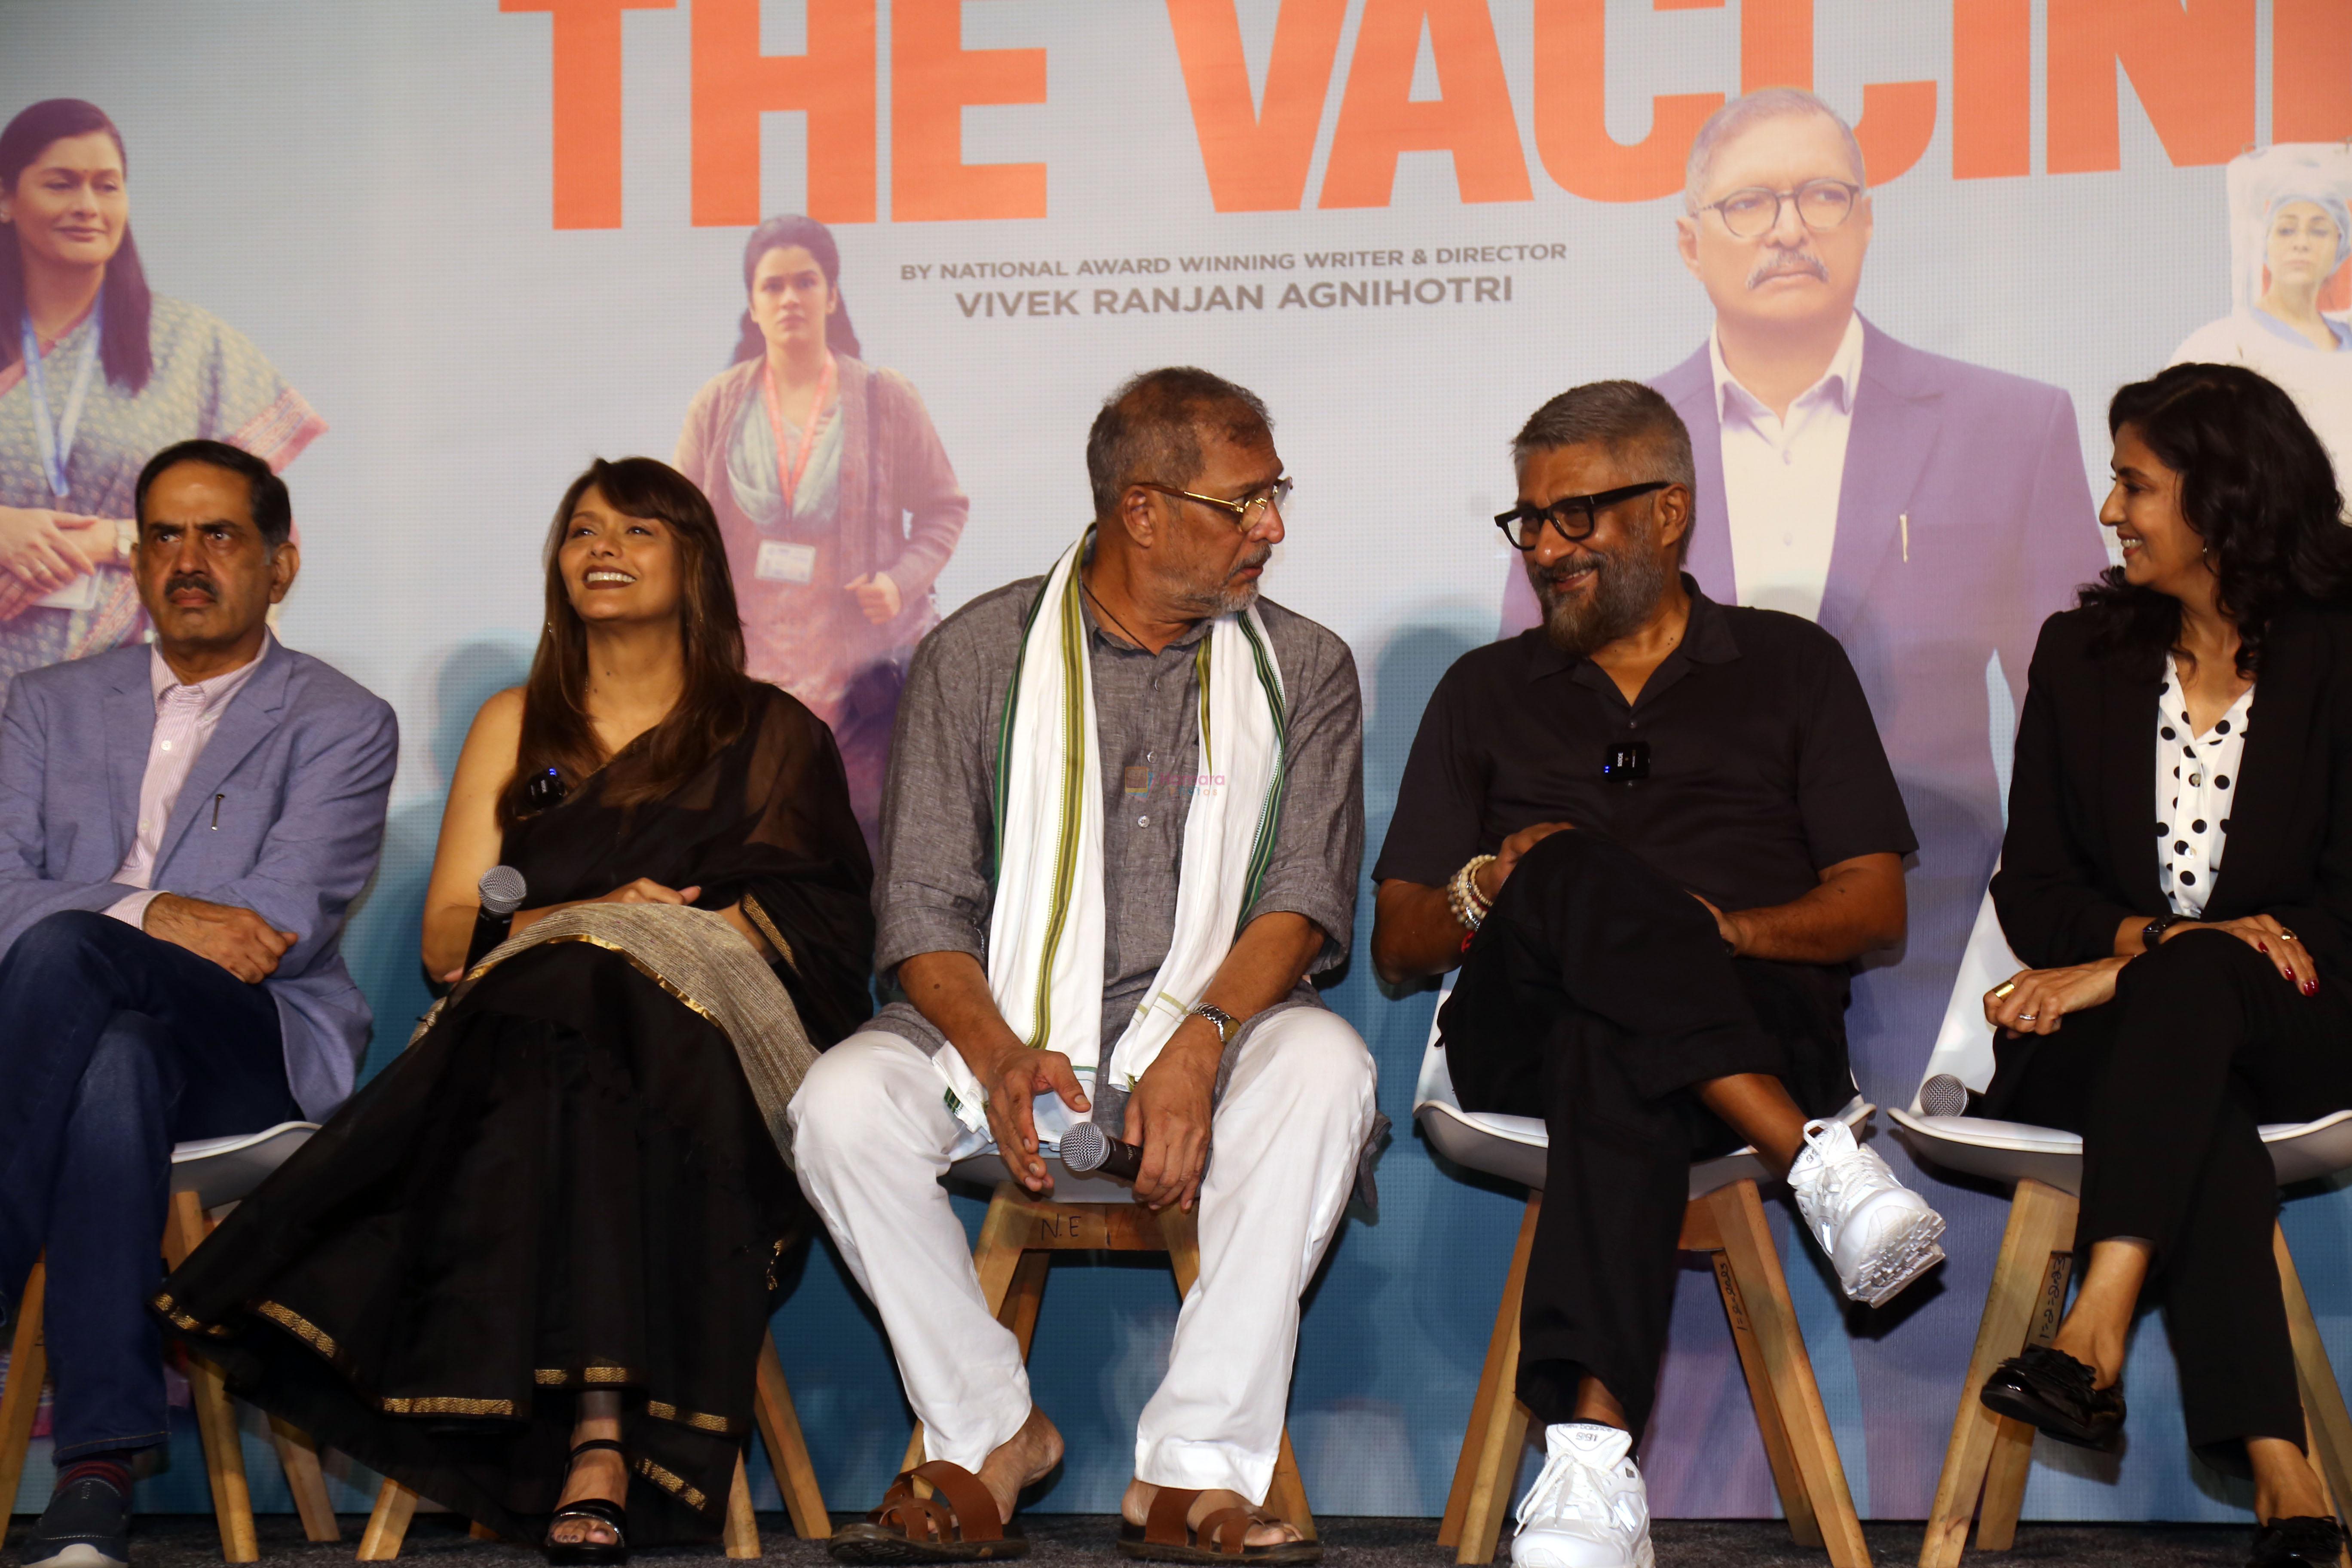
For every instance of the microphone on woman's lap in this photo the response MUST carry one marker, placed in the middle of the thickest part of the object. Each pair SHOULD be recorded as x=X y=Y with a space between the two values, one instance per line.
x=502 y=888
x=1086 y=1149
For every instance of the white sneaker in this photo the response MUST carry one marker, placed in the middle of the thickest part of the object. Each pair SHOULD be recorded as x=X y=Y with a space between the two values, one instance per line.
x=1879 y=1234
x=1588 y=1508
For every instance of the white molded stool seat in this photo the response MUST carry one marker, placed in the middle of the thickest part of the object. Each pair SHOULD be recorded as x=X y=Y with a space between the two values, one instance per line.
x=2017 y=1150
x=1514 y=1147
x=224 y=1170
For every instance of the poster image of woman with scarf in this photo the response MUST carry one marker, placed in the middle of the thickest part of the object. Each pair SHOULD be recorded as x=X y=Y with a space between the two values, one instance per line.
x=835 y=497
x=98 y=374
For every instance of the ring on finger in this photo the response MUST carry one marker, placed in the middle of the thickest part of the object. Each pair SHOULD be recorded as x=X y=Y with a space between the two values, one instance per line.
x=2004 y=988
x=2025 y=1017
x=2288 y=934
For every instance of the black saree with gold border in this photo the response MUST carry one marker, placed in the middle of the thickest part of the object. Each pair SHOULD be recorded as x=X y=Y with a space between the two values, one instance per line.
x=572 y=1179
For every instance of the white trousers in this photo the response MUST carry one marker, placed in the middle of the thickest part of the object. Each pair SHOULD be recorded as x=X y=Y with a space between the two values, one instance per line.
x=872 y=1134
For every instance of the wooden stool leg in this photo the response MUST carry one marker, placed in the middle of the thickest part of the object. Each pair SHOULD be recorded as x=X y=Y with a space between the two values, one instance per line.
x=1022 y=1302
x=2322 y=1399
x=1287 y=1493
x=993 y=1258
x=387 y=1527
x=1703 y=1234
x=1495 y=1380
x=2013 y=1443
x=787 y=1455
x=1755 y=1265
x=1501 y=1437
x=300 y=1459
x=2041 y=1222
x=742 y=1530
x=28 y=1369
x=216 y=1415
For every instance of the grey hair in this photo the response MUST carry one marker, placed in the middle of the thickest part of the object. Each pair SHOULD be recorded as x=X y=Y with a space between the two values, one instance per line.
x=1150 y=429
x=1617 y=416
x=1754 y=108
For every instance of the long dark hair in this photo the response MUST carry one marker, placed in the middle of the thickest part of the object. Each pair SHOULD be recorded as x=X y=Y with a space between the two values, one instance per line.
x=123 y=348
x=792 y=228
x=716 y=705
x=2255 y=486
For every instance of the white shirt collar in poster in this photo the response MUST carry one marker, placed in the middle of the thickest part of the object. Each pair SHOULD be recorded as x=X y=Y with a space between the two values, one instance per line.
x=1781 y=479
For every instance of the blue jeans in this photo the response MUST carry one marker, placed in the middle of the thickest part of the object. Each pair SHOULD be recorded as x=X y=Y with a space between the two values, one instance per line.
x=114 y=1046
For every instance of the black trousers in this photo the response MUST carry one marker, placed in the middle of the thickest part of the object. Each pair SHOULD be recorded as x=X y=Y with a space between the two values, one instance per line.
x=2168 y=1084
x=1597 y=994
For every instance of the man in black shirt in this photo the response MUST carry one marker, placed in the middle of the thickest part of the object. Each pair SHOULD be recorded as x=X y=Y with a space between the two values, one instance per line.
x=1654 y=832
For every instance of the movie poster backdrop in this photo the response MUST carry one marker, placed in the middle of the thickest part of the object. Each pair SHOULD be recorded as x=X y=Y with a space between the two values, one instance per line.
x=489 y=239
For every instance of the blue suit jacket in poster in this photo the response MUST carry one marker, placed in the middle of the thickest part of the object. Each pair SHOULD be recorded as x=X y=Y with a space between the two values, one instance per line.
x=302 y=763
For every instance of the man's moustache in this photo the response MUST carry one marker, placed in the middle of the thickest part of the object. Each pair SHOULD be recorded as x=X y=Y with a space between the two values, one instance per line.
x=203 y=584
x=1785 y=263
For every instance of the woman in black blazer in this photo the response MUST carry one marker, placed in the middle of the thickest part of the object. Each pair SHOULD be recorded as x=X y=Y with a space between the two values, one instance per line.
x=2201 y=971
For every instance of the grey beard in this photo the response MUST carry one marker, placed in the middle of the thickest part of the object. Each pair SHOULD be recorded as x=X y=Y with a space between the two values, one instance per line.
x=1628 y=589
x=1226 y=598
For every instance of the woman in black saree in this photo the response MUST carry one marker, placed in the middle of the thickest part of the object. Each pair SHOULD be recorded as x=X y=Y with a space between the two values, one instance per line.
x=525 y=1271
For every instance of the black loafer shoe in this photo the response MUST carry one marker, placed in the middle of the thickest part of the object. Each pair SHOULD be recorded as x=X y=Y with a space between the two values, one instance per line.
x=2050 y=1392
x=2297 y=1543
x=88 y=1525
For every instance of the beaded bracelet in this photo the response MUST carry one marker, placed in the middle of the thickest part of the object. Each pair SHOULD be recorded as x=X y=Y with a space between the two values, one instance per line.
x=1462 y=894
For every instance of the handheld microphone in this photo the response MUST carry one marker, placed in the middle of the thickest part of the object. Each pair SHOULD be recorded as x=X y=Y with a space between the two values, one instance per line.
x=1944 y=1095
x=502 y=888
x=1087 y=1147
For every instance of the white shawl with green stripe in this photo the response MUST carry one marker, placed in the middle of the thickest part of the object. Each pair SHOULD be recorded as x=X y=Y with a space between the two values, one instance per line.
x=1046 y=932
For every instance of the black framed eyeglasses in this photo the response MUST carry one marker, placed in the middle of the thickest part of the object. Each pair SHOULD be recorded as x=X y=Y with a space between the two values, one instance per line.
x=1753 y=211
x=1574 y=516
x=1247 y=512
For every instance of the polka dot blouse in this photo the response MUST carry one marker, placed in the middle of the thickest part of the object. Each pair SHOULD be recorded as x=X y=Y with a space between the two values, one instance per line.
x=2196 y=779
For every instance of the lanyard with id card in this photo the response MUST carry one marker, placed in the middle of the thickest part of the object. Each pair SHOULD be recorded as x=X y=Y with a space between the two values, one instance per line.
x=780 y=561
x=792 y=462
x=56 y=437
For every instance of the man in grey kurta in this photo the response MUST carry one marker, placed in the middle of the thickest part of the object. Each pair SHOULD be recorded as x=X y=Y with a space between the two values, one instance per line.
x=1188 y=490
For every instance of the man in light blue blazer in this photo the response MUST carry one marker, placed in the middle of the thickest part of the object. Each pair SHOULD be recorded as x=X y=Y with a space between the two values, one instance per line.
x=183 y=826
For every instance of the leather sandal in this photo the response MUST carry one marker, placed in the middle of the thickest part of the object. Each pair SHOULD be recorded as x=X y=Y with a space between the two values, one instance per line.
x=1166 y=1536
x=613 y=1516
x=957 y=1523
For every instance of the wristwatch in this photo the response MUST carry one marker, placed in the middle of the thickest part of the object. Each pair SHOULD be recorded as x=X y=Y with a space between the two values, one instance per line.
x=2153 y=932
x=1224 y=1023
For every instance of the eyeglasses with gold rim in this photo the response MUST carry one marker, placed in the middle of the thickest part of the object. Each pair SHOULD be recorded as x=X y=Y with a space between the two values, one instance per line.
x=1247 y=512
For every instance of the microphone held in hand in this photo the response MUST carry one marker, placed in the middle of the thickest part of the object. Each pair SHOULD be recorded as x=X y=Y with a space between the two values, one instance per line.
x=1087 y=1147
x=502 y=888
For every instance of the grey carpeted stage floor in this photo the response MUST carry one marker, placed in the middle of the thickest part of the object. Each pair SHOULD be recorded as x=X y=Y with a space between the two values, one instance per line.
x=1069 y=1540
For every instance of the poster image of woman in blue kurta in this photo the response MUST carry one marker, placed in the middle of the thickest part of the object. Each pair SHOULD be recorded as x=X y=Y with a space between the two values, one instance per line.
x=98 y=374
x=834 y=495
